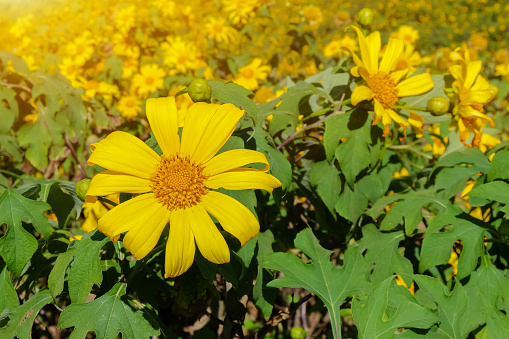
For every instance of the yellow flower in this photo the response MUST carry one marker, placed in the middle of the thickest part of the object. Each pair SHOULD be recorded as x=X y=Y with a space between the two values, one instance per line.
x=469 y=92
x=410 y=59
x=313 y=16
x=93 y=211
x=218 y=30
x=502 y=70
x=149 y=80
x=406 y=33
x=263 y=95
x=181 y=184
x=250 y=74
x=81 y=49
x=240 y=11
x=124 y=18
x=334 y=48
x=129 y=107
x=167 y=8
x=93 y=88
x=382 y=85
x=478 y=42
x=69 y=69
x=181 y=55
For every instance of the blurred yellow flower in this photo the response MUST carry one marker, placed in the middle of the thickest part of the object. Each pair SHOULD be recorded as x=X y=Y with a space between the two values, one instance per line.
x=219 y=31
x=502 y=70
x=334 y=48
x=181 y=56
x=240 y=11
x=250 y=74
x=407 y=34
x=149 y=80
x=383 y=86
x=313 y=16
x=129 y=106
x=410 y=59
x=263 y=95
x=124 y=18
x=478 y=41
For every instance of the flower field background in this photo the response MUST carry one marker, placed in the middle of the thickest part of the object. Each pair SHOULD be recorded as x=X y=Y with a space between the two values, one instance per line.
x=363 y=194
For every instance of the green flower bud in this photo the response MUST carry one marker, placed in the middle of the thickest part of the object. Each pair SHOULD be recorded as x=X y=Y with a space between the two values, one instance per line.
x=298 y=333
x=199 y=90
x=365 y=17
x=438 y=106
x=82 y=188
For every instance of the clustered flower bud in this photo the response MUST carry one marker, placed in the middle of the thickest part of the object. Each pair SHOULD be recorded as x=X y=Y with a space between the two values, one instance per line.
x=365 y=17
x=199 y=90
x=438 y=106
x=82 y=188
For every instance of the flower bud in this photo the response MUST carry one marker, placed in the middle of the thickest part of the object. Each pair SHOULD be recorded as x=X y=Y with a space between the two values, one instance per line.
x=82 y=188
x=365 y=17
x=199 y=90
x=298 y=333
x=438 y=106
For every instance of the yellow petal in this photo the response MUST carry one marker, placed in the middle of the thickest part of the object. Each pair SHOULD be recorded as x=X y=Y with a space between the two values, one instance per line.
x=243 y=179
x=374 y=43
x=143 y=237
x=163 y=118
x=361 y=93
x=417 y=121
x=473 y=69
x=233 y=159
x=355 y=71
x=122 y=152
x=234 y=217
x=397 y=75
x=180 y=247
x=209 y=240
x=415 y=85
x=457 y=72
x=128 y=215
x=109 y=182
x=207 y=129
x=393 y=52
x=395 y=116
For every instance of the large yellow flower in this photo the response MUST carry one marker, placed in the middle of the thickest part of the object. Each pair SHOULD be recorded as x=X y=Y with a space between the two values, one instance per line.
x=250 y=74
x=181 y=184
x=469 y=92
x=382 y=84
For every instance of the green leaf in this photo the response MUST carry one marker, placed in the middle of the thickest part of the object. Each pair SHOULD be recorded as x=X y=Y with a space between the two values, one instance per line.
x=372 y=319
x=331 y=284
x=236 y=95
x=408 y=210
x=454 y=308
x=11 y=146
x=438 y=242
x=353 y=155
x=495 y=191
x=36 y=139
x=261 y=294
x=329 y=79
x=499 y=168
x=325 y=178
x=18 y=63
x=8 y=114
x=17 y=246
x=451 y=181
x=372 y=186
x=85 y=270
x=108 y=316
x=493 y=286
x=351 y=204
x=22 y=317
x=8 y=295
x=279 y=165
x=468 y=156
x=383 y=254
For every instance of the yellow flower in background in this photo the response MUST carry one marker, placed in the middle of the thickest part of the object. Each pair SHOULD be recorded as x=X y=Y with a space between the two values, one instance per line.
x=410 y=59
x=182 y=56
x=219 y=31
x=129 y=107
x=124 y=46
x=335 y=47
x=181 y=184
x=263 y=95
x=93 y=211
x=149 y=80
x=166 y=8
x=502 y=70
x=438 y=147
x=478 y=41
x=469 y=92
x=312 y=16
x=124 y=18
x=129 y=68
x=69 y=69
x=407 y=34
x=382 y=85
x=240 y=11
x=487 y=142
x=250 y=74
x=93 y=88
x=502 y=56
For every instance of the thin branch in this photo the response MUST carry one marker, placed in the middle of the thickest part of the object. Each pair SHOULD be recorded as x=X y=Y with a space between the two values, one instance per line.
x=75 y=156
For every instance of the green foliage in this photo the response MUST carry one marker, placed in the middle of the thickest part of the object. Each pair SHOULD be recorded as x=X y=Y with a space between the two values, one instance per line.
x=108 y=316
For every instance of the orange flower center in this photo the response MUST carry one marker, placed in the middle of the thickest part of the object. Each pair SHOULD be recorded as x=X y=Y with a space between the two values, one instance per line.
x=402 y=64
x=478 y=107
x=129 y=103
x=248 y=73
x=384 y=89
x=178 y=182
x=181 y=59
x=149 y=80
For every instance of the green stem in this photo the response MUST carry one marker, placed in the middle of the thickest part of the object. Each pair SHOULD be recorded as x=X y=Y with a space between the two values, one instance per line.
x=10 y=173
x=416 y=108
x=108 y=201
